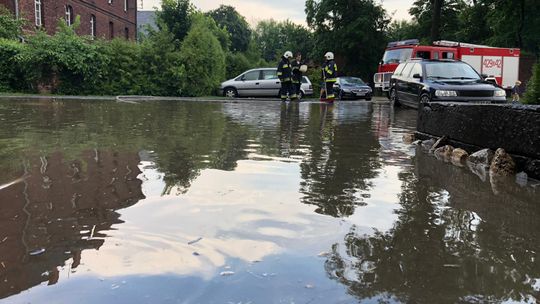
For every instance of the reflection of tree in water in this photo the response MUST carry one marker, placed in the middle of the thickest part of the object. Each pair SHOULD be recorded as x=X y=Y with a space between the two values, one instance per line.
x=58 y=209
x=454 y=242
x=343 y=157
x=185 y=138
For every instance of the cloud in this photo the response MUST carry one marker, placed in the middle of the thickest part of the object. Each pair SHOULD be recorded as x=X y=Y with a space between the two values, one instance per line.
x=257 y=10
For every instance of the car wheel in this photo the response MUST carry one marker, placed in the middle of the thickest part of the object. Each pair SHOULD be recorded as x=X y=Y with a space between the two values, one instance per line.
x=230 y=92
x=301 y=95
x=394 y=98
x=424 y=99
x=368 y=99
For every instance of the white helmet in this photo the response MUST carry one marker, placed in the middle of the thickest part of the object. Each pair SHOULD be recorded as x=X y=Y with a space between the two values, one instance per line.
x=329 y=56
x=288 y=54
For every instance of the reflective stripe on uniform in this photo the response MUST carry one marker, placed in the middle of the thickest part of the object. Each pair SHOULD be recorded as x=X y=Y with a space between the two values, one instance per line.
x=285 y=66
x=279 y=73
x=285 y=80
x=331 y=79
x=331 y=96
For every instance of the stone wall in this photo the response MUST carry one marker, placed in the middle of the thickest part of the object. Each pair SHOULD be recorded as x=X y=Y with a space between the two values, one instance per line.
x=515 y=128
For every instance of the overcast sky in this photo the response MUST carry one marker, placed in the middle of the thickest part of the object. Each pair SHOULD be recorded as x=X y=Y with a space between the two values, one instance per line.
x=256 y=10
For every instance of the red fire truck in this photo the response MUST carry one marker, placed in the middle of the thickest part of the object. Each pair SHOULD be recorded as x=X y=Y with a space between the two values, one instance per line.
x=500 y=65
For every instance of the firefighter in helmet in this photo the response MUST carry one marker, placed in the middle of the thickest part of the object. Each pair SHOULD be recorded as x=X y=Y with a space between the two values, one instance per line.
x=284 y=73
x=297 y=73
x=330 y=74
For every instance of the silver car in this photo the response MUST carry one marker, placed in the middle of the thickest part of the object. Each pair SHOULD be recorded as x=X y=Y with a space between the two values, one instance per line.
x=259 y=83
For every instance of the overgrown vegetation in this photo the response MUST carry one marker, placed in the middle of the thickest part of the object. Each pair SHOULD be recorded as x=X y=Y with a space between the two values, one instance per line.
x=190 y=53
x=532 y=96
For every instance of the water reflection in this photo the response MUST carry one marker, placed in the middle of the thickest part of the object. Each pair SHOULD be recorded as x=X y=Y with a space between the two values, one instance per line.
x=455 y=241
x=305 y=203
x=59 y=208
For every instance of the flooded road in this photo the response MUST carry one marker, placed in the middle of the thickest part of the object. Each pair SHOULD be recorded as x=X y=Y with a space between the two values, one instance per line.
x=250 y=202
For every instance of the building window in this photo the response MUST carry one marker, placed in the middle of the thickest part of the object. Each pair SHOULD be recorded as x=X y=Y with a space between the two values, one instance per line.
x=126 y=33
x=93 y=26
x=111 y=30
x=39 y=14
x=125 y=5
x=69 y=15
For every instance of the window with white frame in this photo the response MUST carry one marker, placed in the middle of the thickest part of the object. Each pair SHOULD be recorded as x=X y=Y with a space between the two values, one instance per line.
x=93 y=26
x=39 y=14
x=69 y=15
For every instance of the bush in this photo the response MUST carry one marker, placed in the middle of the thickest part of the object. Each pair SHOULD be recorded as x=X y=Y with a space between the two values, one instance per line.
x=64 y=63
x=532 y=95
x=237 y=63
x=10 y=28
x=11 y=78
x=203 y=58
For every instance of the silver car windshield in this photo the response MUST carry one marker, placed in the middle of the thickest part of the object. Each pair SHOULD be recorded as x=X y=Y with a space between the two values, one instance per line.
x=450 y=70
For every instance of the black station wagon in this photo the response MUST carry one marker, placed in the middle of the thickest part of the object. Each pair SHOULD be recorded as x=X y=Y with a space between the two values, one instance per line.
x=421 y=81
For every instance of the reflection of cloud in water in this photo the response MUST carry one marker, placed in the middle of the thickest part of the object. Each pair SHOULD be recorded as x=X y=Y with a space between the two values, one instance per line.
x=248 y=214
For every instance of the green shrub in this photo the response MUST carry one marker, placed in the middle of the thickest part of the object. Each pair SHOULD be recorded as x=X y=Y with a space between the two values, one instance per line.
x=11 y=77
x=64 y=63
x=237 y=63
x=203 y=58
x=10 y=28
x=532 y=95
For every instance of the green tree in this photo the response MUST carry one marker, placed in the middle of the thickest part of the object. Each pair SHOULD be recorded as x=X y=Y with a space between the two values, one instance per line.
x=431 y=26
x=203 y=58
x=402 y=30
x=353 y=30
x=176 y=17
x=10 y=28
x=274 y=38
x=236 y=25
x=532 y=95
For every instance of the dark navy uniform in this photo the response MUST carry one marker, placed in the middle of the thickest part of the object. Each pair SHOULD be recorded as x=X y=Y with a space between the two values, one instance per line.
x=297 y=76
x=284 y=73
x=330 y=74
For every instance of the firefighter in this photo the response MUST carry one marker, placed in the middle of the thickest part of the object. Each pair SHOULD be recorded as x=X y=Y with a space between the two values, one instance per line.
x=297 y=74
x=330 y=74
x=284 y=73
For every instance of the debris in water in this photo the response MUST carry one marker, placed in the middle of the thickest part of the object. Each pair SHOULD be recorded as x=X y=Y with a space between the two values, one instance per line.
x=195 y=253
x=451 y=265
x=114 y=286
x=309 y=286
x=37 y=251
x=227 y=267
x=226 y=273
x=3 y=265
x=323 y=254
x=194 y=241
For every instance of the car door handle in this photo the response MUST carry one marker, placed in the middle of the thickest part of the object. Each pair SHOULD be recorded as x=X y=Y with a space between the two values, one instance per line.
x=257 y=83
x=278 y=82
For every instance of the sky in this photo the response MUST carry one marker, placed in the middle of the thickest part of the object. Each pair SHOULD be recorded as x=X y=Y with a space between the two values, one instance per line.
x=256 y=10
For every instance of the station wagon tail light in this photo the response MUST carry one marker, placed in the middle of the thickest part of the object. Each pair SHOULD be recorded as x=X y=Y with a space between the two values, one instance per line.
x=500 y=93
x=445 y=93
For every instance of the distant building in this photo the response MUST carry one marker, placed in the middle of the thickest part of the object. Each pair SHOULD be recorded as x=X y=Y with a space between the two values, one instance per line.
x=99 y=18
x=145 y=19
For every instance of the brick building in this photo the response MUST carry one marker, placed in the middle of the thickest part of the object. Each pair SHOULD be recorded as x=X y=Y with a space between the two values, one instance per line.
x=99 y=18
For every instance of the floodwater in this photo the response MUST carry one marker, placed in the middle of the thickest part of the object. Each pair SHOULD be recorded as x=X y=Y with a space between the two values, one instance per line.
x=250 y=202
